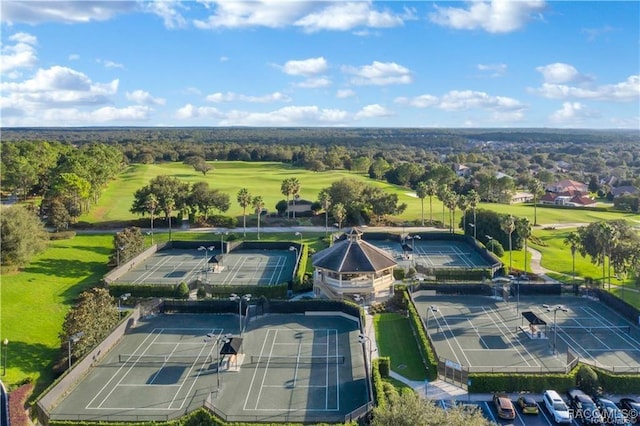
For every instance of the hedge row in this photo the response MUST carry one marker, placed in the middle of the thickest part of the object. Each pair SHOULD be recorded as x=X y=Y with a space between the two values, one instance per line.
x=618 y=383
x=378 y=385
x=423 y=342
x=270 y=292
x=142 y=290
x=169 y=291
x=477 y=274
x=515 y=382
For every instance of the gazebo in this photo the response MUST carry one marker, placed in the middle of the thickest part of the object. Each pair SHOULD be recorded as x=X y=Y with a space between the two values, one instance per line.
x=353 y=267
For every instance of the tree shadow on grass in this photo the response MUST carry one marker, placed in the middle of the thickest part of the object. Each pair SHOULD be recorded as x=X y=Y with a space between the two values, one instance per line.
x=33 y=359
x=66 y=268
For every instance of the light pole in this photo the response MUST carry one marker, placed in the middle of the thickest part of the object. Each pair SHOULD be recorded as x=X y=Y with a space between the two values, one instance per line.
x=413 y=239
x=74 y=338
x=234 y=297
x=122 y=298
x=555 y=310
x=364 y=340
x=220 y=339
x=293 y=248
x=299 y=234
x=434 y=309
x=206 y=260
x=118 y=250
x=473 y=227
x=5 y=345
x=222 y=234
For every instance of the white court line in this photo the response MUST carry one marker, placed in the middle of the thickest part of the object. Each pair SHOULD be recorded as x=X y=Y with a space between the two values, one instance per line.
x=603 y=320
x=255 y=372
x=462 y=256
x=577 y=348
x=448 y=340
x=278 y=269
x=478 y=333
x=125 y=374
x=155 y=268
x=512 y=335
x=266 y=369
x=193 y=381
x=337 y=374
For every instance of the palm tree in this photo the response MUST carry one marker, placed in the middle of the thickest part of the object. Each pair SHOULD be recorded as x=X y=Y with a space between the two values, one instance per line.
x=536 y=188
x=169 y=205
x=432 y=189
x=508 y=226
x=295 y=191
x=452 y=201
x=339 y=213
x=441 y=193
x=524 y=230
x=325 y=201
x=151 y=204
x=286 y=189
x=474 y=199
x=609 y=235
x=463 y=205
x=258 y=204
x=573 y=241
x=244 y=199
x=421 y=193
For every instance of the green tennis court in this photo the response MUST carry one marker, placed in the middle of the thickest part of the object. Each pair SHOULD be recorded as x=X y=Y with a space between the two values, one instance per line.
x=486 y=334
x=287 y=367
x=243 y=267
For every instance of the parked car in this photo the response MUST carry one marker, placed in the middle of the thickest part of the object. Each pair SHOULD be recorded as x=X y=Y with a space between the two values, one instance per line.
x=556 y=406
x=528 y=405
x=631 y=409
x=611 y=414
x=584 y=408
x=504 y=406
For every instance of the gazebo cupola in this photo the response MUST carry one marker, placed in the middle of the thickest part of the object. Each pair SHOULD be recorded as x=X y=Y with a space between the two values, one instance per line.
x=353 y=266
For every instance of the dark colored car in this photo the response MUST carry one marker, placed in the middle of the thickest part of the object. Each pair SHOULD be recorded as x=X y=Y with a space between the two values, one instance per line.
x=504 y=406
x=631 y=409
x=584 y=409
x=611 y=414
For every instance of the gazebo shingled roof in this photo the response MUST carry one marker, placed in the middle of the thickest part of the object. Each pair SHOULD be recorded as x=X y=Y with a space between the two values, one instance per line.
x=353 y=255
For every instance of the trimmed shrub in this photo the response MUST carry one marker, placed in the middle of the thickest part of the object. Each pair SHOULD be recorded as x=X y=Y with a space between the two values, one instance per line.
x=182 y=291
x=202 y=292
x=63 y=235
x=587 y=380
x=495 y=247
x=378 y=385
x=384 y=366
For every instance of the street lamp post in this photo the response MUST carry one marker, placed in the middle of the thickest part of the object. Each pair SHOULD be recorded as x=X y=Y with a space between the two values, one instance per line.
x=222 y=234
x=218 y=340
x=118 y=250
x=74 y=338
x=122 y=298
x=434 y=309
x=366 y=340
x=293 y=248
x=206 y=260
x=299 y=234
x=5 y=345
x=473 y=227
x=239 y=299
x=555 y=310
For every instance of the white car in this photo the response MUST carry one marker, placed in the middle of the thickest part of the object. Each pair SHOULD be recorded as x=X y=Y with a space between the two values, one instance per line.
x=556 y=407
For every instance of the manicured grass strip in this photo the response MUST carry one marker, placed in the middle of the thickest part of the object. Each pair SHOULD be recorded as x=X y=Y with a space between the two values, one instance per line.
x=35 y=301
x=265 y=179
x=395 y=340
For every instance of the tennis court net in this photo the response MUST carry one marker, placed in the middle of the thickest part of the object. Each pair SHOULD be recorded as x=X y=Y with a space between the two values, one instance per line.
x=620 y=329
x=164 y=359
x=297 y=360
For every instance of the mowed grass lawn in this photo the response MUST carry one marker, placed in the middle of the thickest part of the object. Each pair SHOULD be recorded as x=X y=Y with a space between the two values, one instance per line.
x=395 y=340
x=36 y=300
x=265 y=179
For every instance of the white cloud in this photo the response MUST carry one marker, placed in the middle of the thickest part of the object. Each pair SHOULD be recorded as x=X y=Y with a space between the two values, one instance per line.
x=76 y=117
x=624 y=91
x=462 y=100
x=373 y=110
x=233 y=97
x=493 y=70
x=20 y=55
x=58 y=86
x=287 y=116
x=167 y=10
x=305 y=67
x=345 y=93
x=348 y=15
x=144 y=98
x=422 y=101
x=314 y=83
x=572 y=113
x=262 y=13
x=223 y=58
x=190 y=111
x=558 y=73
x=35 y=12
x=74 y=57
x=495 y=16
x=310 y=16
x=379 y=74
x=109 y=64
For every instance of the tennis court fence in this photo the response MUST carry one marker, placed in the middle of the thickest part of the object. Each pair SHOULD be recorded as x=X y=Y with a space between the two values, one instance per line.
x=297 y=360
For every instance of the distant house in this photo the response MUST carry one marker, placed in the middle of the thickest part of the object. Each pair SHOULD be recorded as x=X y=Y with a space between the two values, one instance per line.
x=563 y=166
x=521 y=197
x=568 y=185
x=461 y=170
x=567 y=199
x=300 y=207
x=624 y=190
x=500 y=175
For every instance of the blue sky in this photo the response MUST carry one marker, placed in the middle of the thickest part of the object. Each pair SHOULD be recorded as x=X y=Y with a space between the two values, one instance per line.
x=500 y=63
